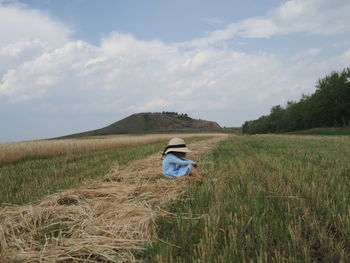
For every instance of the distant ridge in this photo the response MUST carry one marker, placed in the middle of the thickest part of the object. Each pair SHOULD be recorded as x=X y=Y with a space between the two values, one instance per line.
x=153 y=122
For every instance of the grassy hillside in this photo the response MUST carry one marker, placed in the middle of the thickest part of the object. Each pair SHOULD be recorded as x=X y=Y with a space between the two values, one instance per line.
x=267 y=199
x=142 y=123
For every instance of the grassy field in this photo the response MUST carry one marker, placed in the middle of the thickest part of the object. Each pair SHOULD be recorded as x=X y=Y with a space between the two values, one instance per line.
x=67 y=163
x=267 y=199
x=325 y=131
x=29 y=150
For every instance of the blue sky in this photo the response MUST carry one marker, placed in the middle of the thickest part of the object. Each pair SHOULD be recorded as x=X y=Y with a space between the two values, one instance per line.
x=70 y=66
x=170 y=21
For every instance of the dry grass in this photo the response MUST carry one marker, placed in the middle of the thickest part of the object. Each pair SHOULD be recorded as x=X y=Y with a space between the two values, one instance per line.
x=109 y=220
x=15 y=151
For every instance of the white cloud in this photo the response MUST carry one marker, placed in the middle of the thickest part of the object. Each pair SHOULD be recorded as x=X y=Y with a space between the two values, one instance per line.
x=340 y=44
x=132 y=75
x=37 y=78
x=307 y=53
x=14 y=54
x=319 y=17
x=258 y=27
x=26 y=34
x=17 y=49
x=19 y=23
x=152 y=105
x=127 y=75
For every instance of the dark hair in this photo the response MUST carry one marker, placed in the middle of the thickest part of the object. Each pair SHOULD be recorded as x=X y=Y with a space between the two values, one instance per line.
x=179 y=154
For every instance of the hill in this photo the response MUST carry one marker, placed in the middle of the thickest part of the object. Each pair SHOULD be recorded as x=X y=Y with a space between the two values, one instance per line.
x=147 y=122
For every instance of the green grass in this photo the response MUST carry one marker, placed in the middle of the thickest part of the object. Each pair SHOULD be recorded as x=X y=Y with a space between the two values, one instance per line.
x=268 y=199
x=324 y=131
x=30 y=179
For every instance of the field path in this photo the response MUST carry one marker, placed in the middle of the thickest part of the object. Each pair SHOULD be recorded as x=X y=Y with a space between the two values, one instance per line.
x=108 y=220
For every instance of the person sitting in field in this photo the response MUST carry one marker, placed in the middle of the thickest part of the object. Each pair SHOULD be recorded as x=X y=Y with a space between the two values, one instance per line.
x=174 y=162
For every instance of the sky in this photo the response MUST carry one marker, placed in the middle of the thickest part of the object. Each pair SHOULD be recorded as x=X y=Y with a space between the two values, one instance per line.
x=71 y=66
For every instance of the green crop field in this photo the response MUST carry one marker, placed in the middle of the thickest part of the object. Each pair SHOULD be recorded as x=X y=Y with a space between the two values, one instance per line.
x=267 y=199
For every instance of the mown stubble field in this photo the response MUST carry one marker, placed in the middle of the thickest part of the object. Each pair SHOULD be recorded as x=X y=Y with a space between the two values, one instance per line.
x=266 y=199
x=33 y=169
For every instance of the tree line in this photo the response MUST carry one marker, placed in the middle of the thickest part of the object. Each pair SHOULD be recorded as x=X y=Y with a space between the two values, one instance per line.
x=174 y=113
x=328 y=106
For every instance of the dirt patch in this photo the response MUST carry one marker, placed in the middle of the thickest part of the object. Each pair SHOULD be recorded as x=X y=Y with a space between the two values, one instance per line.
x=108 y=220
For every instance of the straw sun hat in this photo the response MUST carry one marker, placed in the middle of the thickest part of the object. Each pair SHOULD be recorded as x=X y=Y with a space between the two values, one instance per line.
x=176 y=145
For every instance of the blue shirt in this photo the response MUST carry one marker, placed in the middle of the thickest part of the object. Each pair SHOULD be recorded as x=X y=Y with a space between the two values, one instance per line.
x=174 y=166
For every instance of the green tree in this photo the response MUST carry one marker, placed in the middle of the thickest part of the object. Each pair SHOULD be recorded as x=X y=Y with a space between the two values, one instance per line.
x=328 y=106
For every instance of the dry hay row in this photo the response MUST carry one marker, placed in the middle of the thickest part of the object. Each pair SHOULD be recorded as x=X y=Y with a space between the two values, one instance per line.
x=108 y=220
